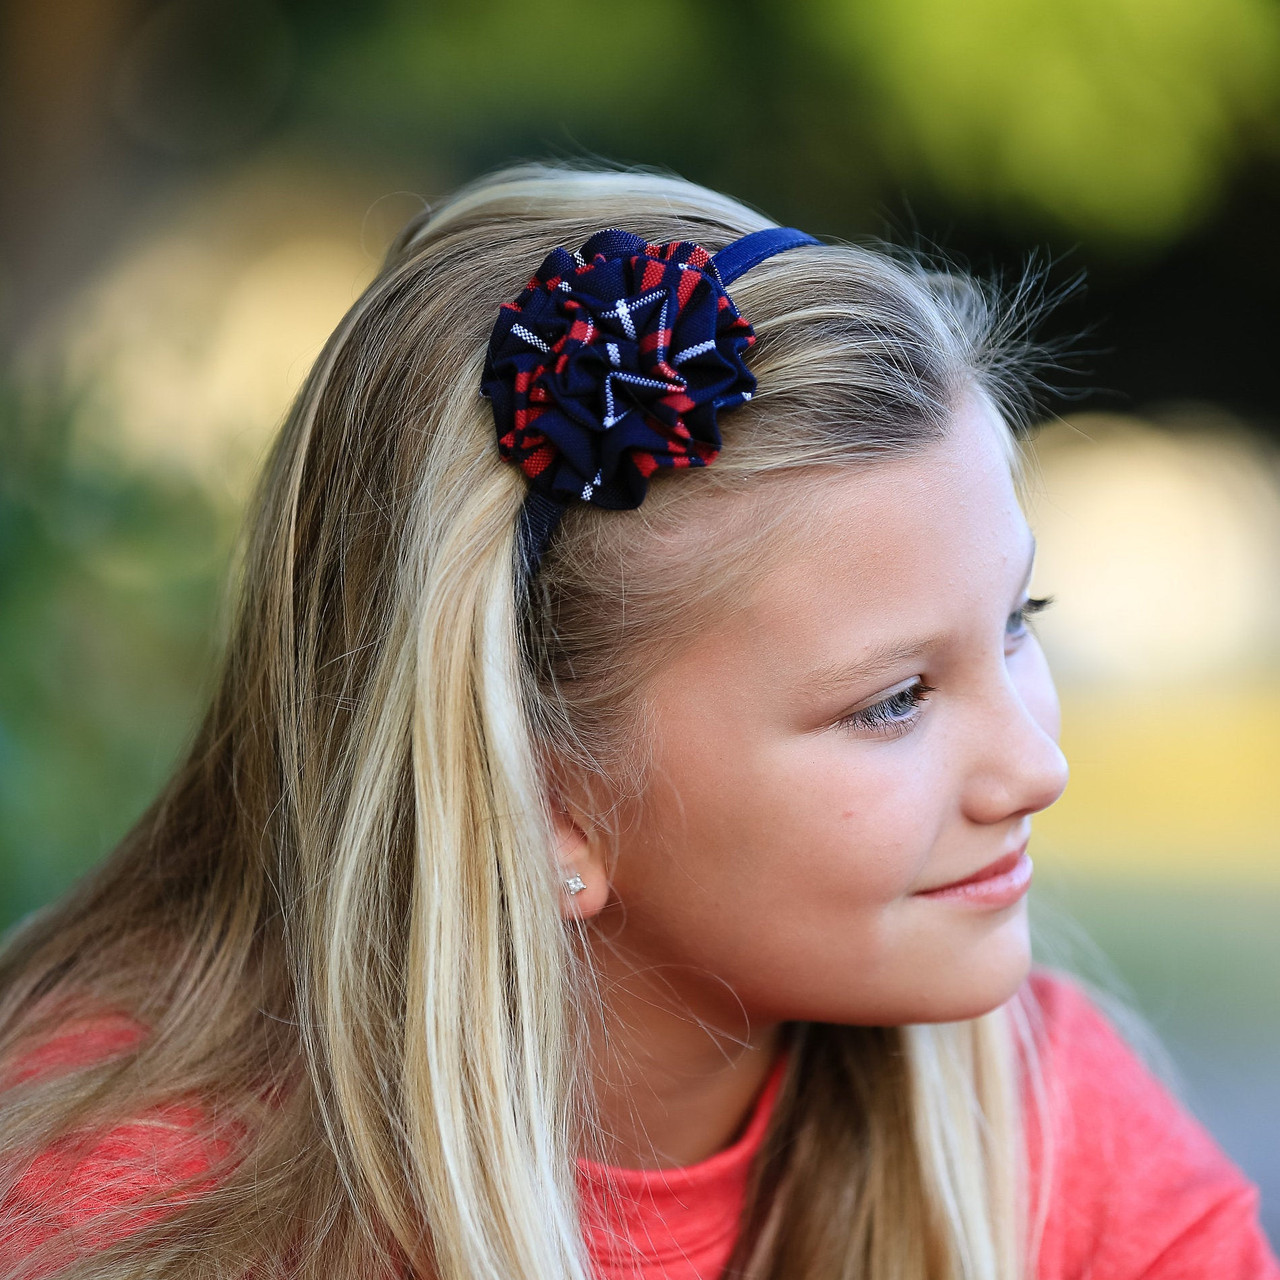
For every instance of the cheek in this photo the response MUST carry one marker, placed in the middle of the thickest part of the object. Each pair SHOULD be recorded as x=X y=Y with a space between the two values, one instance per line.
x=870 y=811
x=821 y=821
x=784 y=870
x=790 y=885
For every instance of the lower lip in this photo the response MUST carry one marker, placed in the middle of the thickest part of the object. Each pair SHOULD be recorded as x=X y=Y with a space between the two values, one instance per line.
x=996 y=891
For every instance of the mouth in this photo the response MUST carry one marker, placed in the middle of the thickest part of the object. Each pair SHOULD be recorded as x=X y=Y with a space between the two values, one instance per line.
x=998 y=883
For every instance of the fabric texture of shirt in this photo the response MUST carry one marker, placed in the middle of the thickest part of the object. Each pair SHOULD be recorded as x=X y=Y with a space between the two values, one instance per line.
x=1140 y=1190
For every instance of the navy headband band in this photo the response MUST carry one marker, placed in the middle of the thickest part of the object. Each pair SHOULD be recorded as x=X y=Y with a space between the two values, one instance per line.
x=613 y=363
x=738 y=258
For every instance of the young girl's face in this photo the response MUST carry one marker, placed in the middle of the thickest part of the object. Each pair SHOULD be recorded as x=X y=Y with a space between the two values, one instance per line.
x=808 y=794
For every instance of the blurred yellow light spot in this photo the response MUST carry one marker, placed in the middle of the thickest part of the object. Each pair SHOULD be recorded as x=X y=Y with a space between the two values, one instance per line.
x=1180 y=784
x=1162 y=550
x=192 y=344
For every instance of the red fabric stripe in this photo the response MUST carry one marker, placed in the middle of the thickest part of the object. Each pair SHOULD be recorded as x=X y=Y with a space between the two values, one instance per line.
x=536 y=463
x=525 y=418
x=658 y=338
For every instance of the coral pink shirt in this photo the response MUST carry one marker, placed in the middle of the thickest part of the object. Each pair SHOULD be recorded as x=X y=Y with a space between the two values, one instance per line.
x=1141 y=1192
x=672 y=1223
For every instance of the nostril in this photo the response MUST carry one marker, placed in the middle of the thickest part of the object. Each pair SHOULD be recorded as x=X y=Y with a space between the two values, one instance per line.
x=1057 y=773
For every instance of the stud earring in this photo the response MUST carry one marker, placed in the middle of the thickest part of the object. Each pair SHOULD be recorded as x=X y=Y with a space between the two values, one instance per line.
x=574 y=885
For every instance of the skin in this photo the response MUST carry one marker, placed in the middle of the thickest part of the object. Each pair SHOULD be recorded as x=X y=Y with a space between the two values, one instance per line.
x=774 y=871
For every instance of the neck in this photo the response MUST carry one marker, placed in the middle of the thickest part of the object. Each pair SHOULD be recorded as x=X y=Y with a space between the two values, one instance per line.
x=675 y=1074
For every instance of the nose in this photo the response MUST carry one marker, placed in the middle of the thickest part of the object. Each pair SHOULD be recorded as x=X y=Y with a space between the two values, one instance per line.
x=1017 y=767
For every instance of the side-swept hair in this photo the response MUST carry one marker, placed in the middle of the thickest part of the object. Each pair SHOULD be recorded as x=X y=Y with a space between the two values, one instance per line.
x=338 y=924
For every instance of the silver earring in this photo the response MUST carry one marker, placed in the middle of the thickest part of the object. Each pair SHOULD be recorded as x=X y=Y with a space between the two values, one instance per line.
x=574 y=885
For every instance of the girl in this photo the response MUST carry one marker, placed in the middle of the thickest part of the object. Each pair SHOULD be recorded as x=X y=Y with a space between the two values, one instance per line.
x=589 y=871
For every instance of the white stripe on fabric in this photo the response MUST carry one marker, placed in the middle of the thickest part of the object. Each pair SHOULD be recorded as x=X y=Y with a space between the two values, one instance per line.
x=689 y=352
x=635 y=379
x=531 y=338
x=624 y=314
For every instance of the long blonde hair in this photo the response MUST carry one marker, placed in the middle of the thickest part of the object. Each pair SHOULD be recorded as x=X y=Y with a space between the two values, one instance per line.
x=338 y=923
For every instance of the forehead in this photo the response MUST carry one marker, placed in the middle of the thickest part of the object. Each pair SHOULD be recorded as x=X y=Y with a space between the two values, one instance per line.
x=903 y=542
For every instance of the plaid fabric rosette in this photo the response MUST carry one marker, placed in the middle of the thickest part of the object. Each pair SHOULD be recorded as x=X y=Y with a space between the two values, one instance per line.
x=611 y=365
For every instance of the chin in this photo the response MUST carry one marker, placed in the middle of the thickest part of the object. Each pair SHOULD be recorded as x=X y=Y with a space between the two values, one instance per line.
x=965 y=979
x=985 y=983
x=965 y=991
x=952 y=976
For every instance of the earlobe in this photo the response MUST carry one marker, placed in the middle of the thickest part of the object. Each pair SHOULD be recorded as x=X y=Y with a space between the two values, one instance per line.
x=582 y=895
x=584 y=881
x=581 y=899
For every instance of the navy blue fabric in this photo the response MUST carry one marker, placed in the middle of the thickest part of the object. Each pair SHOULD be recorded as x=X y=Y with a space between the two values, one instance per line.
x=613 y=363
x=539 y=516
x=738 y=258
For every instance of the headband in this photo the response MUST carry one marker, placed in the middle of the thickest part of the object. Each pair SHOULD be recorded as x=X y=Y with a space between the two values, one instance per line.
x=613 y=363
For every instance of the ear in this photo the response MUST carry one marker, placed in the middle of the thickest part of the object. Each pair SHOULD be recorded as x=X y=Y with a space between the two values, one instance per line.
x=580 y=861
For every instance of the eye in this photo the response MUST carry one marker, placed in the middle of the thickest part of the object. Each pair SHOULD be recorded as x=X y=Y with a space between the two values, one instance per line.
x=1016 y=626
x=891 y=716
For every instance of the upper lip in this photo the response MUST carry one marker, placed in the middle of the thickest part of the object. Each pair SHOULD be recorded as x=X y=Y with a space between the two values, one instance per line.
x=996 y=868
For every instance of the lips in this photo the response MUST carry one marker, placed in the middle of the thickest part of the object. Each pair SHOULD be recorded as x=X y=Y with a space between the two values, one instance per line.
x=989 y=872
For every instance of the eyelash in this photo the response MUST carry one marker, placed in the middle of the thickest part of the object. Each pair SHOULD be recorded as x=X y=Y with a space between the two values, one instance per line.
x=893 y=716
x=1036 y=604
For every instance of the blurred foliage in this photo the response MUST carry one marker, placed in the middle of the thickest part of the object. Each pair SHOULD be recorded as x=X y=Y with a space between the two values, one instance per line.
x=1116 y=119
x=1199 y=956
x=1113 y=117
x=109 y=590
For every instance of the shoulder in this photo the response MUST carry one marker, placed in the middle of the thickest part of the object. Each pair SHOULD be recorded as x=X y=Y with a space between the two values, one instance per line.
x=97 y=1184
x=1136 y=1186
x=75 y=1039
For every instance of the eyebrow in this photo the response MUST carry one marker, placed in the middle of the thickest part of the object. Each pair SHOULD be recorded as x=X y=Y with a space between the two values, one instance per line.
x=886 y=656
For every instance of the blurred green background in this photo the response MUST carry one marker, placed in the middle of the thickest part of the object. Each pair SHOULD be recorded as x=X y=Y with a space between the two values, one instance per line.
x=191 y=193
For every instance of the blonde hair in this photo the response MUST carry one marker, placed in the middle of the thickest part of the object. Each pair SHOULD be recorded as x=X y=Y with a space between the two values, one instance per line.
x=339 y=921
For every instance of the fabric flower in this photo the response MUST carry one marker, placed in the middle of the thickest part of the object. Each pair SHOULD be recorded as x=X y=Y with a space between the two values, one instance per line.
x=613 y=363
